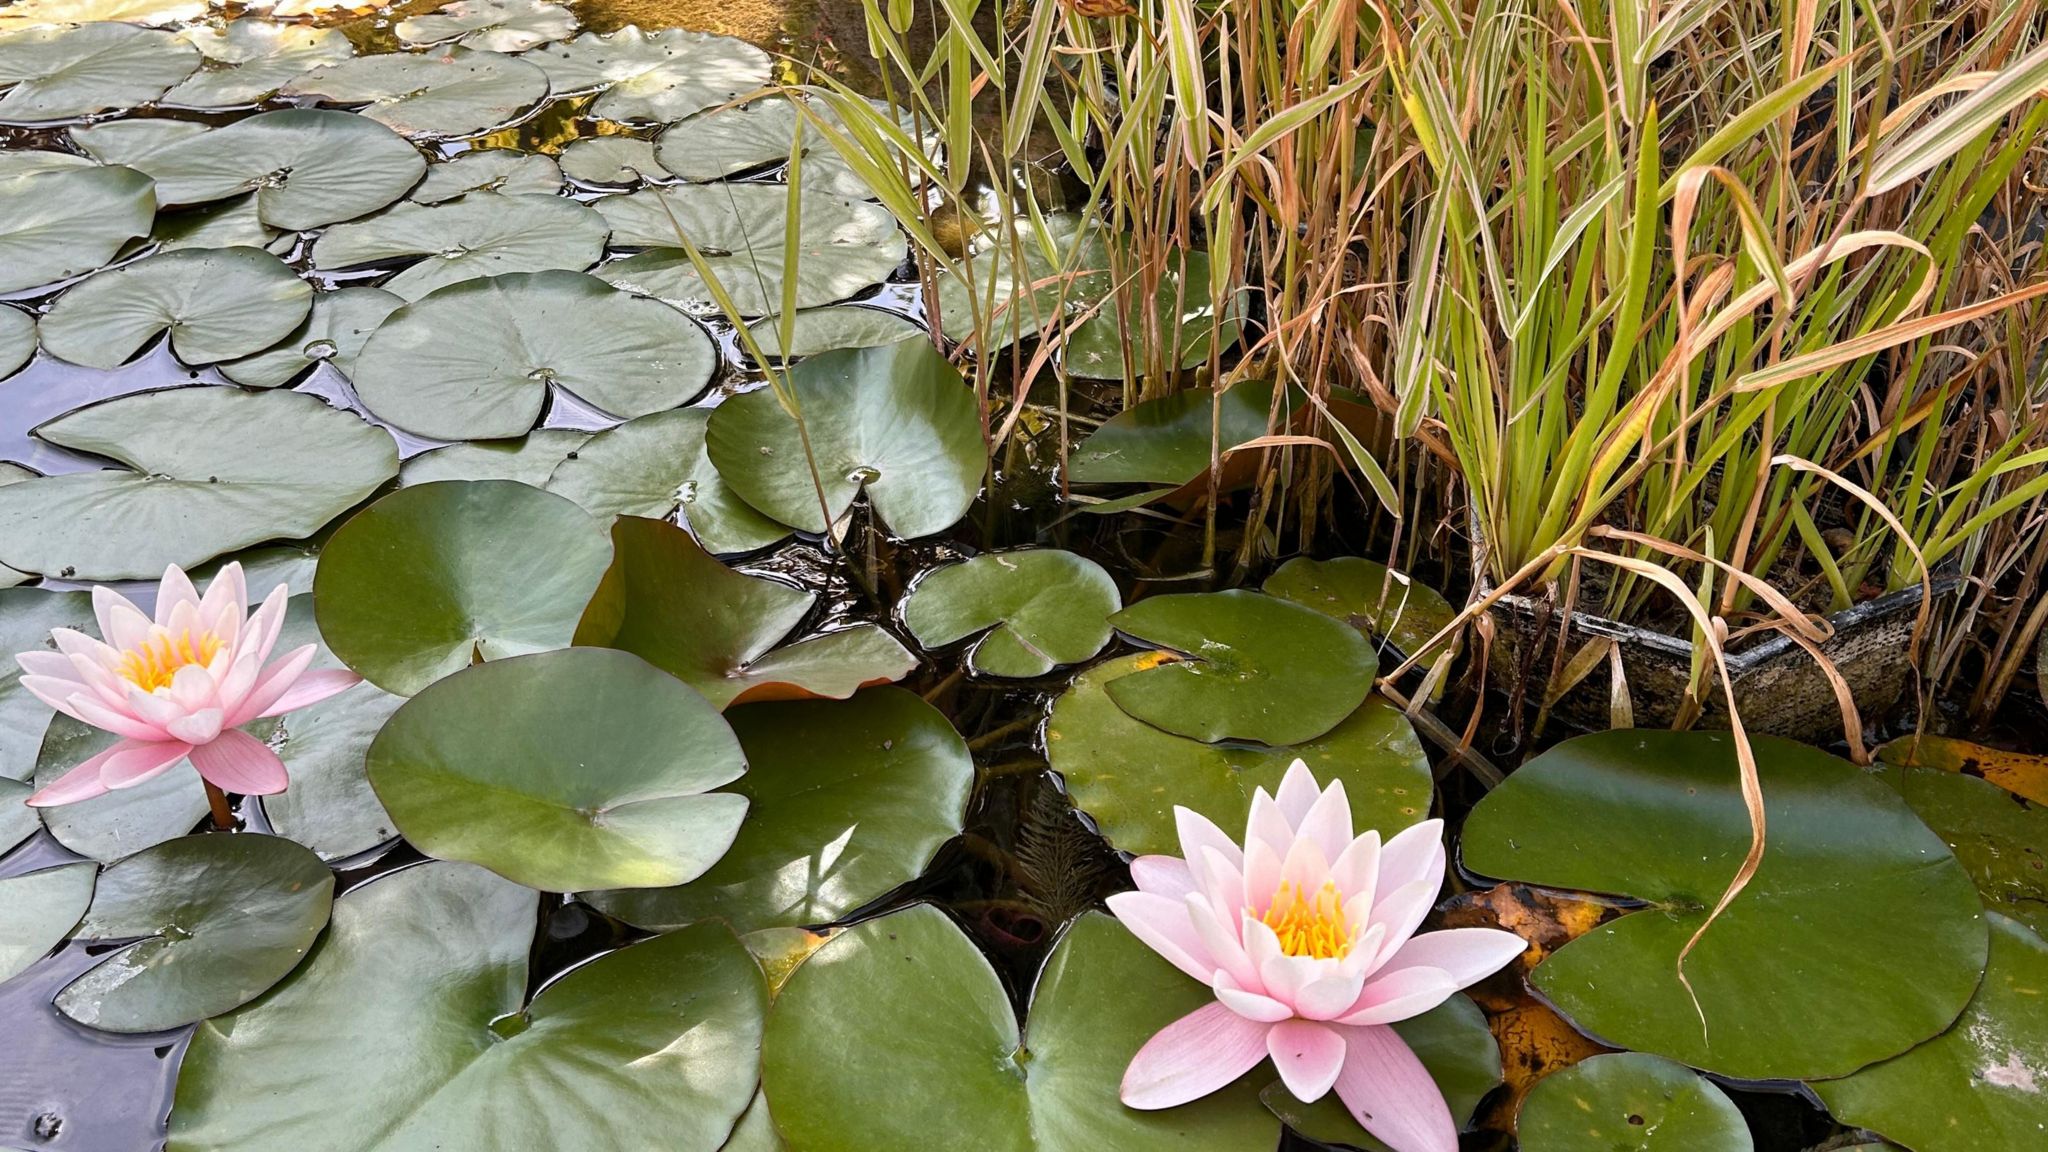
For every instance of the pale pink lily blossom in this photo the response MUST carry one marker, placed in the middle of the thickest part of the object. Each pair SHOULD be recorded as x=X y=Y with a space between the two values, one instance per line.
x=1307 y=937
x=177 y=687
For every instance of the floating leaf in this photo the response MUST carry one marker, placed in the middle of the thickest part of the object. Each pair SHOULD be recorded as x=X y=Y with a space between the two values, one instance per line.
x=1168 y=440
x=1182 y=313
x=583 y=768
x=38 y=910
x=653 y=76
x=2020 y=773
x=825 y=329
x=30 y=13
x=25 y=161
x=656 y=467
x=201 y=483
x=457 y=92
x=611 y=161
x=848 y=800
x=755 y=1132
x=220 y=920
x=730 y=141
x=2000 y=839
x=232 y=223
x=490 y=170
x=896 y=422
x=433 y=578
x=1451 y=1040
x=334 y=333
x=482 y=234
x=652 y=1045
x=1013 y=287
x=1128 y=776
x=64 y=73
x=63 y=222
x=248 y=60
x=521 y=333
x=125 y=142
x=1630 y=1102
x=330 y=807
x=1035 y=609
x=1372 y=598
x=530 y=459
x=1859 y=935
x=27 y=616
x=17 y=340
x=18 y=821
x=491 y=25
x=668 y=601
x=216 y=305
x=123 y=822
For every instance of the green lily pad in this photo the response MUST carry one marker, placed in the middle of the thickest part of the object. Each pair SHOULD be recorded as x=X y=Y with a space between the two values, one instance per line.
x=27 y=161
x=216 y=305
x=912 y=982
x=650 y=1046
x=27 y=616
x=17 y=340
x=1168 y=440
x=1256 y=667
x=1451 y=1040
x=64 y=73
x=491 y=25
x=2001 y=839
x=12 y=473
x=330 y=806
x=895 y=422
x=653 y=76
x=334 y=332
x=456 y=92
x=1859 y=936
x=656 y=467
x=38 y=910
x=125 y=142
x=848 y=800
x=1978 y=1085
x=530 y=459
x=1629 y=1102
x=63 y=222
x=248 y=60
x=122 y=823
x=1372 y=598
x=1182 y=314
x=482 y=234
x=583 y=768
x=755 y=1132
x=1018 y=289
x=1035 y=610
x=32 y=13
x=825 y=329
x=730 y=141
x=611 y=162
x=18 y=821
x=668 y=601
x=221 y=920
x=490 y=170
x=843 y=246
x=521 y=333
x=201 y=485
x=433 y=578
x=1128 y=776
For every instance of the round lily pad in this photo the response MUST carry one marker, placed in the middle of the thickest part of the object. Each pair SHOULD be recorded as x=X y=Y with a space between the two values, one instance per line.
x=220 y=919
x=1255 y=667
x=1859 y=936
x=330 y=807
x=24 y=161
x=912 y=983
x=843 y=246
x=1168 y=440
x=126 y=141
x=653 y=77
x=848 y=800
x=1629 y=1102
x=155 y=13
x=895 y=422
x=216 y=305
x=456 y=92
x=17 y=340
x=1452 y=1041
x=482 y=234
x=436 y=577
x=521 y=333
x=582 y=768
x=2000 y=839
x=668 y=601
x=57 y=223
x=656 y=467
x=123 y=822
x=653 y=1045
x=492 y=25
x=196 y=483
x=38 y=910
x=27 y=616
x=530 y=459
x=729 y=141
x=490 y=170
x=1370 y=597
x=334 y=333
x=1035 y=610
x=1182 y=317
x=1128 y=776
x=247 y=60
x=1014 y=287
x=818 y=330
x=611 y=161
x=60 y=73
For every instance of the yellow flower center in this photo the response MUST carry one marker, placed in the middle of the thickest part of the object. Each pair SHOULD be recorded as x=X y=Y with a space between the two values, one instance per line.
x=152 y=665
x=1310 y=925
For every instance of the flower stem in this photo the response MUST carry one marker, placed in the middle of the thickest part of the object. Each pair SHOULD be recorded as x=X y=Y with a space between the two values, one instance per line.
x=223 y=816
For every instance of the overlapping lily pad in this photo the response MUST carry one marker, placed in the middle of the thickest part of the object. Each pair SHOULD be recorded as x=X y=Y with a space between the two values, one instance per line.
x=655 y=77
x=1128 y=776
x=656 y=467
x=482 y=234
x=232 y=223
x=435 y=577
x=490 y=170
x=125 y=142
x=123 y=822
x=1168 y=440
x=1366 y=595
x=530 y=459
x=667 y=600
x=23 y=161
x=1859 y=936
x=611 y=161
x=581 y=768
x=195 y=483
x=38 y=910
x=216 y=921
x=1017 y=286
x=1183 y=319
x=895 y=422
x=457 y=92
x=1629 y=1102
x=654 y=1044
x=217 y=305
x=17 y=340
x=334 y=333
x=247 y=60
x=730 y=141
x=912 y=982
x=27 y=616
x=523 y=332
x=33 y=13
x=330 y=807
x=1256 y=667
x=2000 y=839
x=60 y=222
x=492 y=25
x=1035 y=610
x=1452 y=1041
x=816 y=330
x=59 y=73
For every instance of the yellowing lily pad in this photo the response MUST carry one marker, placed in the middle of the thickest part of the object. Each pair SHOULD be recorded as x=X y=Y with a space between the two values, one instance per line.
x=1630 y=1102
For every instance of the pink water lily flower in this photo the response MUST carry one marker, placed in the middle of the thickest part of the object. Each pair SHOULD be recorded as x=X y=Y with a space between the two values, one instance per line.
x=177 y=687
x=1307 y=937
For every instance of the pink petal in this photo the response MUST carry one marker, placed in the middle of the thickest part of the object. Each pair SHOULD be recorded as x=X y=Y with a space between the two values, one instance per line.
x=1309 y=1056
x=175 y=589
x=1198 y=832
x=1268 y=823
x=133 y=763
x=1356 y=871
x=272 y=684
x=1195 y=1055
x=1250 y=1005
x=1400 y=995
x=238 y=762
x=1328 y=821
x=122 y=624
x=1221 y=886
x=120 y=723
x=1298 y=792
x=1391 y=1094
x=50 y=666
x=1261 y=876
x=193 y=688
x=1415 y=853
x=1161 y=923
x=1403 y=909
x=200 y=727
x=1167 y=876
x=81 y=782
x=1222 y=944
x=265 y=625
x=1464 y=954
x=56 y=693
x=316 y=686
x=1328 y=997
x=1305 y=867
x=226 y=602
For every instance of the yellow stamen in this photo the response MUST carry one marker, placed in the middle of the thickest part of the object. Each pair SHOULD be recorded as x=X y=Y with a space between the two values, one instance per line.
x=153 y=663
x=1310 y=925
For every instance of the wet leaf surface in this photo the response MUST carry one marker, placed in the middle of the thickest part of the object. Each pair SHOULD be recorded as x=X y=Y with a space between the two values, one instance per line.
x=59 y=73
x=1034 y=610
x=1630 y=1102
x=825 y=329
x=1370 y=597
x=490 y=170
x=2001 y=839
x=530 y=459
x=248 y=60
x=334 y=333
x=491 y=25
x=653 y=76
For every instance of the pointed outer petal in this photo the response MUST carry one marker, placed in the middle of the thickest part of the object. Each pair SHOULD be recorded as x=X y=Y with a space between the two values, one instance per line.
x=57 y=694
x=1399 y=995
x=1392 y=1095
x=1414 y=853
x=1249 y=1005
x=175 y=589
x=1223 y=945
x=1356 y=870
x=122 y=624
x=273 y=683
x=239 y=762
x=1198 y=832
x=1222 y=887
x=1298 y=792
x=1402 y=911
x=1328 y=997
x=1464 y=954
x=1328 y=821
x=1167 y=876
x=1309 y=1057
x=1261 y=877
x=1161 y=923
x=94 y=677
x=312 y=688
x=265 y=624
x=1268 y=823
x=1306 y=866
x=72 y=642
x=99 y=715
x=198 y=728
x=236 y=684
x=52 y=666
x=82 y=782
x=134 y=763
x=226 y=602
x=1192 y=1057
x=193 y=688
